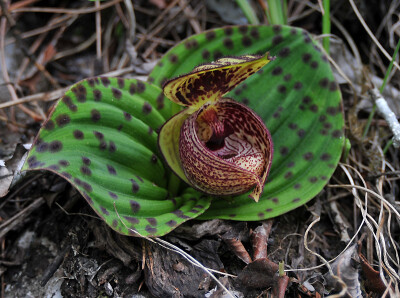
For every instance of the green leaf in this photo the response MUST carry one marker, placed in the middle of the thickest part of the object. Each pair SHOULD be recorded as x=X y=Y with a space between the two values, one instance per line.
x=295 y=95
x=101 y=138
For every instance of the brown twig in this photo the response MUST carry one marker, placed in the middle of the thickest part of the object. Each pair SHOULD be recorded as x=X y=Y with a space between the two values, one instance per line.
x=20 y=4
x=190 y=15
x=17 y=190
x=81 y=47
x=6 y=77
x=52 y=268
x=153 y=29
x=12 y=222
x=43 y=96
x=98 y=30
x=53 y=24
x=67 y=10
x=16 y=33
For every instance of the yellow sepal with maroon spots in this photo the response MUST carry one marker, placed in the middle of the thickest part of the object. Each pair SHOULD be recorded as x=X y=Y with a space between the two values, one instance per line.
x=207 y=83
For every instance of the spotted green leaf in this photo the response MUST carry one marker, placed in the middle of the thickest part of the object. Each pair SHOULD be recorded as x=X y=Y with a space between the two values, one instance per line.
x=295 y=95
x=101 y=138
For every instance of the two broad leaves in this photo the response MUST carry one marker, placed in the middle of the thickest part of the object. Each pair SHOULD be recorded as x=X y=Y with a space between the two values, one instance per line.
x=102 y=138
x=102 y=135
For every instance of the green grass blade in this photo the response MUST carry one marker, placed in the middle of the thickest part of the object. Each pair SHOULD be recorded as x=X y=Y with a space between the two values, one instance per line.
x=248 y=11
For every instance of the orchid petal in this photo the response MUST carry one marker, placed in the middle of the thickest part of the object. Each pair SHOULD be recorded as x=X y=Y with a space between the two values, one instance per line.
x=209 y=82
x=225 y=149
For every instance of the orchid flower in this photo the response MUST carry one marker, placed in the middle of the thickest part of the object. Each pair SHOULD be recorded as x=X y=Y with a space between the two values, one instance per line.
x=217 y=145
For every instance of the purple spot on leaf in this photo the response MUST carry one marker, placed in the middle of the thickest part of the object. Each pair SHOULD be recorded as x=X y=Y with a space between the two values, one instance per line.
x=86 y=160
x=140 y=87
x=68 y=102
x=205 y=54
x=150 y=229
x=288 y=175
x=132 y=88
x=284 y=150
x=243 y=29
x=55 y=146
x=53 y=167
x=301 y=133
x=135 y=206
x=146 y=108
x=105 y=81
x=86 y=171
x=113 y=195
x=284 y=52
x=121 y=83
x=42 y=147
x=104 y=210
x=325 y=157
x=287 y=77
x=282 y=89
x=173 y=58
x=132 y=220
x=254 y=33
x=246 y=41
x=116 y=93
x=135 y=186
x=63 y=120
x=152 y=221
x=95 y=115
x=277 y=39
x=111 y=170
x=171 y=223
x=276 y=71
x=63 y=163
x=228 y=43
x=180 y=214
x=78 y=134
x=98 y=135
x=87 y=186
x=308 y=156
x=324 y=82
x=336 y=134
x=127 y=116
x=154 y=159
x=66 y=175
x=112 y=147
x=103 y=145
